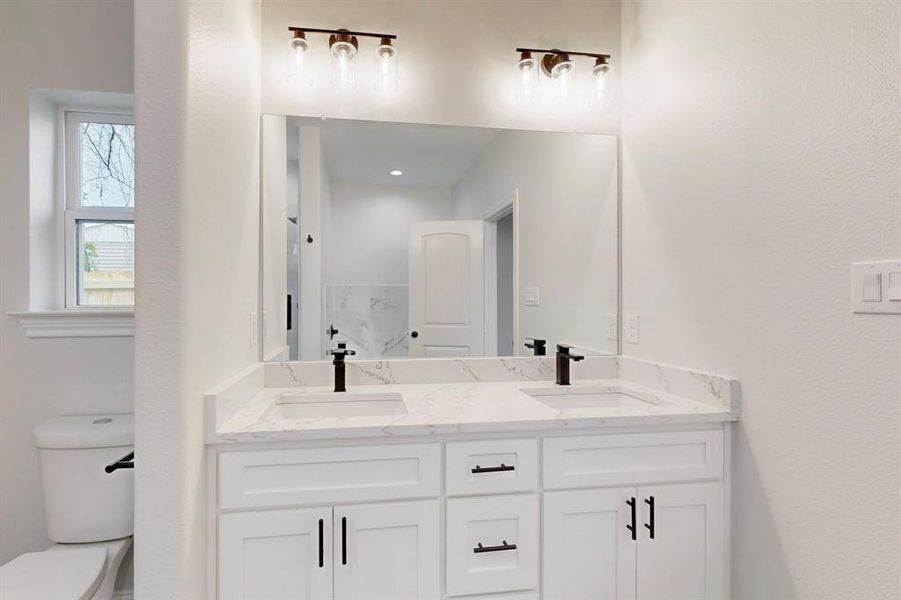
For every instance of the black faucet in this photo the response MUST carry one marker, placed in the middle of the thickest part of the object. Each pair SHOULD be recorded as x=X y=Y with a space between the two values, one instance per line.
x=339 y=355
x=563 y=357
x=538 y=346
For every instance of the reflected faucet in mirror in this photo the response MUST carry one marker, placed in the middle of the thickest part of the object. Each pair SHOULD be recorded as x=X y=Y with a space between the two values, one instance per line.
x=537 y=345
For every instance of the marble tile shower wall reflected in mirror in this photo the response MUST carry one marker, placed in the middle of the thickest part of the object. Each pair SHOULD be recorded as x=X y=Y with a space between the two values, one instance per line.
x=405 y=240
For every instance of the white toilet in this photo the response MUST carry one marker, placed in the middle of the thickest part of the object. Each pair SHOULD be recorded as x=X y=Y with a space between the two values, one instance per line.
x=89 y=512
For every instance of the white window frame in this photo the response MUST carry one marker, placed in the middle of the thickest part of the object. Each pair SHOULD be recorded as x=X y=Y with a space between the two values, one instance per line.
x=74 y=212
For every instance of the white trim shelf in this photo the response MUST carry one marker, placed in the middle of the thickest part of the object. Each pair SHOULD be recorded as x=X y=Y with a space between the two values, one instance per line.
x=76 y=323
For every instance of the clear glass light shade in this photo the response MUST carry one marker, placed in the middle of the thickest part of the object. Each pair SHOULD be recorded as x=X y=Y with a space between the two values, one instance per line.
x=600 y=84
x=527 y=80
x=300 y=68
x=386 y=68
x=344 y=53
x=564 y=74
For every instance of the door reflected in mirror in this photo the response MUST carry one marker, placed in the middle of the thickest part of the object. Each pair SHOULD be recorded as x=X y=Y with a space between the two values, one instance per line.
x=406 y=240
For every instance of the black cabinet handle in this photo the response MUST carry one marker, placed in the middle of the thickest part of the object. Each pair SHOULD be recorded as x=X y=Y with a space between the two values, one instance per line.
x=503 y=467
x=504 y=546
x=631 y=503
x=414 y=334
x=650 y=524
x=343 y=540
x=321 y=547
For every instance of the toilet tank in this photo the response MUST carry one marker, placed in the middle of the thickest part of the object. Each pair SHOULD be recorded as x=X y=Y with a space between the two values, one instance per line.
x=82 y=502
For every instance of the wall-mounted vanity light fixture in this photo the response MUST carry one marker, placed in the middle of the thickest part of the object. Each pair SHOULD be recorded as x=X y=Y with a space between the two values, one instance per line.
x=343 y=46
x=559 y=66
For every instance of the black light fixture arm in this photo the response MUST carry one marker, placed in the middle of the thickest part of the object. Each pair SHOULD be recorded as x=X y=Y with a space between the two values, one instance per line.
x=605 y=57
x=384 y=36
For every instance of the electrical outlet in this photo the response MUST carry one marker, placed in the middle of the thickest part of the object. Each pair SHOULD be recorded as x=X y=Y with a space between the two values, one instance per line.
x=630 y=333
x=531 y=296
x=253 y=329
x=611 y=326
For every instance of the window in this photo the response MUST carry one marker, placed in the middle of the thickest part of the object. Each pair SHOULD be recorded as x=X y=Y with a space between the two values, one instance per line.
x=100 y=202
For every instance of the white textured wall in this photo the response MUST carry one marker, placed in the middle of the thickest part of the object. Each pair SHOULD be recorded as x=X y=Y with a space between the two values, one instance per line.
x=68 y=44
x=198 y=120
x=369 y=236
x=761 y=158
x=567 y=228
x=456 y=59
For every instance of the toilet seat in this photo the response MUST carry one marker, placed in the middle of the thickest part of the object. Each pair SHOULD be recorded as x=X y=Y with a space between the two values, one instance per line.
x=71 y=575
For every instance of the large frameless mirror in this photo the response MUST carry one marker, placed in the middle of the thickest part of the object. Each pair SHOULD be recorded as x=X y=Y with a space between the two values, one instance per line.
x=406 y=240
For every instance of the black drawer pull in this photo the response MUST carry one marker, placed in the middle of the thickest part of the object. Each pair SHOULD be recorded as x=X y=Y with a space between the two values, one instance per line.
x=631 y=503
x=503 y=467
x=505 y=546
x=650 y=502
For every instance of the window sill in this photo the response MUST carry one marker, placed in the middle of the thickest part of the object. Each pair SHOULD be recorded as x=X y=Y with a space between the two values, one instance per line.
x=76 y=323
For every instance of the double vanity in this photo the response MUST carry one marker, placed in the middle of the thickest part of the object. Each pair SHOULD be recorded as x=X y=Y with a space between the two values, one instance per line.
x=440 y=478
x=396 y=441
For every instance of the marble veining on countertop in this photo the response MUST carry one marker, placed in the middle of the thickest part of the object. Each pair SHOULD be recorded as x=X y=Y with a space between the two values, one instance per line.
x=461 y=407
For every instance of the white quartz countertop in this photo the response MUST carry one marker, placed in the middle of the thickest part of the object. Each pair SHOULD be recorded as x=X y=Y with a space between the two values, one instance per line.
x=470 y=407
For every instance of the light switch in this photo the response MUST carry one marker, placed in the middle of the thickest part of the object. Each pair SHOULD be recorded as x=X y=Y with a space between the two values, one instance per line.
x=530 y=296
x=876 y=287
x=894 y=286
x=872 y=287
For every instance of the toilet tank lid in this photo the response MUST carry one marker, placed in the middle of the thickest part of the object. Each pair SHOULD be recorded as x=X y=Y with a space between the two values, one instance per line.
x=86 y=431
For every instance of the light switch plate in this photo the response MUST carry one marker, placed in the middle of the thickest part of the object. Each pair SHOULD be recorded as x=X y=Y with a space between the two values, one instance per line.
x=611 y=326
x=630 y=327
x=874 y=285
x=530 y=296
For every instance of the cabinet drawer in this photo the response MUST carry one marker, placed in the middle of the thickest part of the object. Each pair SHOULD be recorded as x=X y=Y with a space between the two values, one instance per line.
x=632 y=459
x=262 y=478
x=492 y=544
x=491 y=466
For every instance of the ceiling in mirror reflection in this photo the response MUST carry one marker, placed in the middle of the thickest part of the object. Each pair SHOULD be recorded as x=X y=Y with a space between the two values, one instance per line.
x=366 y=152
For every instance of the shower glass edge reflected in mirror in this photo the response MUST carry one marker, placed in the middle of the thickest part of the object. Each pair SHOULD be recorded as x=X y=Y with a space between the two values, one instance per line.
x=412 y=241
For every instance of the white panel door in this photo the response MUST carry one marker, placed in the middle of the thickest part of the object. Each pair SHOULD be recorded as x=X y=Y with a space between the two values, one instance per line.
x=447 y=303
x=685 y=559
x=387 y=551
x=275 y=555
x=588 y=550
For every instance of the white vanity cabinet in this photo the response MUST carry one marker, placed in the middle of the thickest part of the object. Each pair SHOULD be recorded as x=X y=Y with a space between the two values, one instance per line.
x=637 y=515
x=589 y=550
x=275 y=554
x=655 y=539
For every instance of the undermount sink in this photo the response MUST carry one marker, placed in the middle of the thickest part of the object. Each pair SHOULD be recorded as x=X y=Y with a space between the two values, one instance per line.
x=580 y=398
x=311 y=406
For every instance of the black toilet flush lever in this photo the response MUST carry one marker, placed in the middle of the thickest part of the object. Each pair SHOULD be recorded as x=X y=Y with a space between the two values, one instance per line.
x=126 y=462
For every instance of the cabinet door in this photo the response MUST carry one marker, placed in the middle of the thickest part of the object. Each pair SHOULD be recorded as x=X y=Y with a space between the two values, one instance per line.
x=685 y=559
x=275 y=555
x=387 y=551
x=588 y=550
